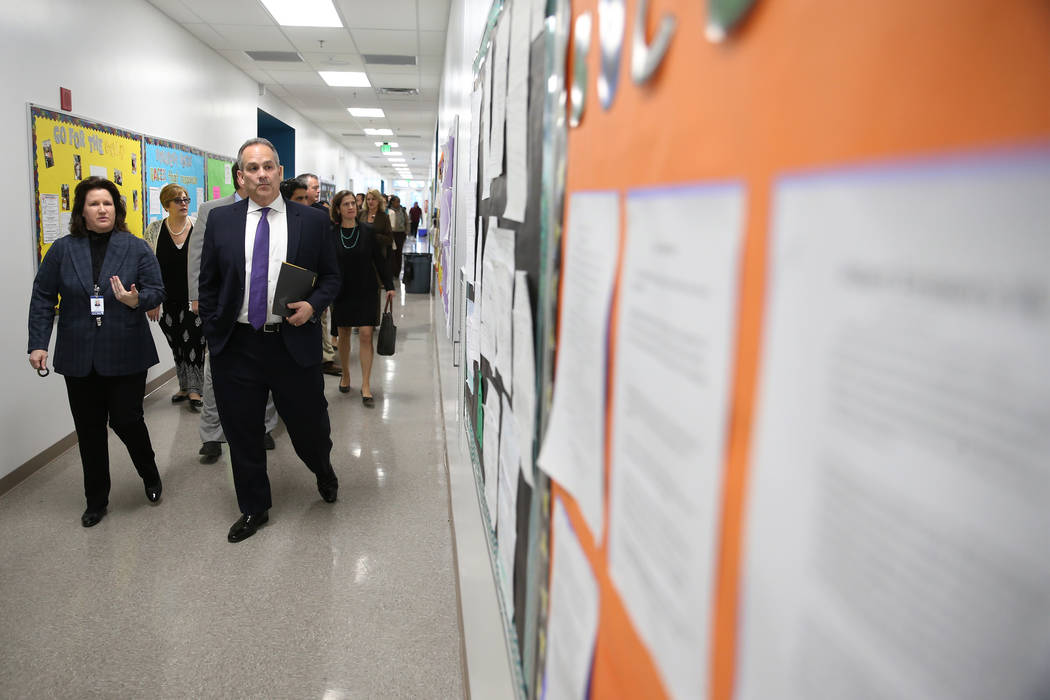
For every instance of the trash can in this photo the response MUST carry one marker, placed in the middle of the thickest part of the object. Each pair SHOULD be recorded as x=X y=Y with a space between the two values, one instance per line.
x=417 y=269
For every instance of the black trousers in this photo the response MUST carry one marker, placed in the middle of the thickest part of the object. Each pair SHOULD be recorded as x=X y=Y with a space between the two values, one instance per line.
x=397 y=255
x=251 y=365
x=95 y=400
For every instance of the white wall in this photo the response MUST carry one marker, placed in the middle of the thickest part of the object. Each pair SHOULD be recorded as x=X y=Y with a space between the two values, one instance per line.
x=128 y=65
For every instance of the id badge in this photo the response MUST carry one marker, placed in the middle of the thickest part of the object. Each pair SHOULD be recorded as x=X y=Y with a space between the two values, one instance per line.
x=96 y=306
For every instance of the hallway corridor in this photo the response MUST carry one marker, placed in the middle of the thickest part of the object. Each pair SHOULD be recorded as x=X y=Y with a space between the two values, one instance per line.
x=351 y=600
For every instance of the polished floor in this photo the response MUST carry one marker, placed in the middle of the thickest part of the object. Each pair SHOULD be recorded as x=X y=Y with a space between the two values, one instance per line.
x=351 y=600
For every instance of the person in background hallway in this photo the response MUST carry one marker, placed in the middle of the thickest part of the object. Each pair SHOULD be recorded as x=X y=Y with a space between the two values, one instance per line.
x=399 y=230
x=312 y=187
x=106 y=279
x=415 y=214
x=169 y=238
x=356 y=304
x=294 y=191
x=210 y=428
x=254 y=350
x=360 y=197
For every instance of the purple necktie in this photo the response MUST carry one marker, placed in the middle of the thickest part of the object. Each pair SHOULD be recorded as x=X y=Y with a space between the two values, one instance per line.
x=260 y=272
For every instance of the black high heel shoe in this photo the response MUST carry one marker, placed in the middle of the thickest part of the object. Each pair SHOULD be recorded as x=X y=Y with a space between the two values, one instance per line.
x=344 y=389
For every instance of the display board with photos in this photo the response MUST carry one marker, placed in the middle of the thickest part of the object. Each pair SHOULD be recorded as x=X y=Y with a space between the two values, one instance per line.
x=66 y=150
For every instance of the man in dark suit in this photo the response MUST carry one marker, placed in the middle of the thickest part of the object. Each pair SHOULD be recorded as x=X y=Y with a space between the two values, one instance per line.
x=254 y=351
x=210 y=428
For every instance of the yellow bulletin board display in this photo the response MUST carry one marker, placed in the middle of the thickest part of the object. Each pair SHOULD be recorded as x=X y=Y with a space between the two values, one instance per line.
x=67 y=149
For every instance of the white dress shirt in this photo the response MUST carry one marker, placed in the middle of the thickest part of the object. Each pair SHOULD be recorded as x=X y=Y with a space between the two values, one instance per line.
x=278 y=219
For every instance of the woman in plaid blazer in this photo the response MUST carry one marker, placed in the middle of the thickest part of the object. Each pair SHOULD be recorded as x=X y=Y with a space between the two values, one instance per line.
x=106 y=278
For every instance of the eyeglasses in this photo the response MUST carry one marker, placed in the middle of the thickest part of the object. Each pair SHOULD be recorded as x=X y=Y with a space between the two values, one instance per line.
x=181 y=200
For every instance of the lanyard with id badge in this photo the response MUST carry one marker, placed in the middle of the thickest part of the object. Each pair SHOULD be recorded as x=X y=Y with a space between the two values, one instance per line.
x=97 y=307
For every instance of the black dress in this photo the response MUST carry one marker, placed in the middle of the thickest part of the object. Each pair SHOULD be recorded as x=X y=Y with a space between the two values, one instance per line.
x=360 y=258
x=181 y=327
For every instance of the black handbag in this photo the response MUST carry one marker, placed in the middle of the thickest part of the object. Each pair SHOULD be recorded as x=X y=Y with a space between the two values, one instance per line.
x=387 y=331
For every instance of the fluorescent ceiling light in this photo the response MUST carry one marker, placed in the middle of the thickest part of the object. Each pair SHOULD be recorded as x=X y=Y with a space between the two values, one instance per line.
x=389 y=154
x=391 y=144
x=365 y=112
x=303 y=13
x=379 y=132
x=344 y=78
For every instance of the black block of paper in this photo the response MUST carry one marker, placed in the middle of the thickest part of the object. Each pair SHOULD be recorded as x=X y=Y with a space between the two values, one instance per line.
x=294 y=283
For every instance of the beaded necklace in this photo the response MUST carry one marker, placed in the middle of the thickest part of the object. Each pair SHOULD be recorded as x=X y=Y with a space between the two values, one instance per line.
x=349 y=242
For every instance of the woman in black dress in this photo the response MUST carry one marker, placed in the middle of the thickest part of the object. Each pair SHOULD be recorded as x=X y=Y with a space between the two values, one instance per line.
x=358 y=244
x=182 y=328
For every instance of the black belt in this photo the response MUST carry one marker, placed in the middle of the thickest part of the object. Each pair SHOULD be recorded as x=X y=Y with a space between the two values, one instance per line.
x=268 y=328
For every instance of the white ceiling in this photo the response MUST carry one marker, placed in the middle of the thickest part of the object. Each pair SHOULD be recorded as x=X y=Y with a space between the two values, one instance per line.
x=398 y=27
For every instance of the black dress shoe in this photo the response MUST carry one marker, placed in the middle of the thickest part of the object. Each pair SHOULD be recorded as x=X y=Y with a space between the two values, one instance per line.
x=268 y=442
x=246 y=526
x=331 y=368
x=329 y=492
x=153 y=492
x=91 y=518
x=196 y=405
x=210 y=451
x=179 y=398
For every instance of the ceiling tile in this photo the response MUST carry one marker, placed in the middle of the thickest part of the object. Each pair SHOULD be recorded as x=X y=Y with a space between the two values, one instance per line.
x=300 y=78
x=433 y=15
x=308 y=38
x=395 y=80
x=386 y=41
x=244 y=12
x=253 y=38
x=431 y=44
x=388 y=14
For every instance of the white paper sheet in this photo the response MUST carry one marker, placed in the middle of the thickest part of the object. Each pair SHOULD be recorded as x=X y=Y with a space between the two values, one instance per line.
x=572 y=624
x=518 y=111
x=497 y=289
x=49 y=218
x=490 y=449
x=897 y=517
x=574 y=446
x=539 y=13
x=475 y=134
x=484 y=125
x=499 y=98
x=524 y=369
x=470 y=335
x=156 y=211
x=507 y=498
x=670 y=413
x=98 y=171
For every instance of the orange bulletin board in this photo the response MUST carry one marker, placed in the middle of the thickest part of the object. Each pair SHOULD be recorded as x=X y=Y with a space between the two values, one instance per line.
x=801 y=85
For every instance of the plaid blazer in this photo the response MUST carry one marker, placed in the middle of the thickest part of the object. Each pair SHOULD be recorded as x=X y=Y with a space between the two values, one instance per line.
x=123 y=344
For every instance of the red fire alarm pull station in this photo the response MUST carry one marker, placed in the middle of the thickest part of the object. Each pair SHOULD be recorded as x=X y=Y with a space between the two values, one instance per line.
x=65 y=96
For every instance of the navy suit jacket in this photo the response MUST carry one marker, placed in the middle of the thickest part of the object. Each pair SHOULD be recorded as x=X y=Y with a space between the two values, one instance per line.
x=222 y=285
x=123 y=344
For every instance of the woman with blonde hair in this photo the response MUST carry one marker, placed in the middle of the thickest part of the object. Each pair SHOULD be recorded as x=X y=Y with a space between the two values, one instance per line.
x=168 y=238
